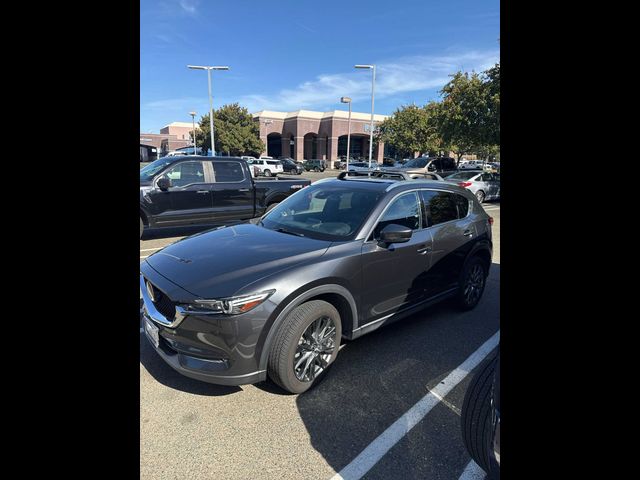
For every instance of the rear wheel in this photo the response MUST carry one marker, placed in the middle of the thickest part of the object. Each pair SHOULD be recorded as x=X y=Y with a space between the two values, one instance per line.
x=472 y=282
x=480 y=196
x=267 y=173
x=305 y=346
x=475 y=417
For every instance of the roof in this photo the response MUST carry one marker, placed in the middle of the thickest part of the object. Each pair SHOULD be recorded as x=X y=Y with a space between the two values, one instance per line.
x=318 y=115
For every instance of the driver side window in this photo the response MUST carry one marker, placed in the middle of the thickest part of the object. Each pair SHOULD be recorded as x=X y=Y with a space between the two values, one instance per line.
x=404 y=210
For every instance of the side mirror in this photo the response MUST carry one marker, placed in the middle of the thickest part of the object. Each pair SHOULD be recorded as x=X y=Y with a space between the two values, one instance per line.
x=164 y=183
x=394 y=233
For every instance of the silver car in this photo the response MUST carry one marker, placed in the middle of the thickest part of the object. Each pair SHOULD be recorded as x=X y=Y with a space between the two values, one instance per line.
x=484 y=185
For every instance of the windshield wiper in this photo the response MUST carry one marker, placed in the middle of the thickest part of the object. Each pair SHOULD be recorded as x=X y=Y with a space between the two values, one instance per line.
x=284 y=230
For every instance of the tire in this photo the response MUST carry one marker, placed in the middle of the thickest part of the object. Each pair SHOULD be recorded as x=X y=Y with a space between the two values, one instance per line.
x=141 y=227
x=472 y=282
x=475 y=418
x=267 y=173
x=271 y=207
x=287 y=348
x=480 y=196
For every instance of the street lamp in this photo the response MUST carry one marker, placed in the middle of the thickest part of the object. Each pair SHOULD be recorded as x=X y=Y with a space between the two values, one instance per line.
x=193 y=118
x=266 y=131
x=348 y=100
x=373 y=86
x=208 y=69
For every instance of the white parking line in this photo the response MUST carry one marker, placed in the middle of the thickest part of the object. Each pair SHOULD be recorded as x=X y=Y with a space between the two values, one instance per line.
x=150 y=249
x=392 y=435
x=472 y=472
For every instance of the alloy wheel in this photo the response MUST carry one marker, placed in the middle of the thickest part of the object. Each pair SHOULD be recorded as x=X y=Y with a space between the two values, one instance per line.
x=314 y=350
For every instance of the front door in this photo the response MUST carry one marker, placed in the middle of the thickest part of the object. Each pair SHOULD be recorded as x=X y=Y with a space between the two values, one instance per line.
x=394 y=275
x=188 y=199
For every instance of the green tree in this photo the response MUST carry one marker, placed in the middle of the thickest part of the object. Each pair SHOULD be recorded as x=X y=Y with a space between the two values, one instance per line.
x=410 y=129
x=236 y=133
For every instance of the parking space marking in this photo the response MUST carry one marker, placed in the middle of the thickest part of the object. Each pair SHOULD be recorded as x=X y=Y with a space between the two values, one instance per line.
x=472 y=472
x=360 y=465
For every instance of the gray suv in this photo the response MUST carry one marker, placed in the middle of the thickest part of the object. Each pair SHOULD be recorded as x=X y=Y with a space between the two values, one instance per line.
x=337 y=259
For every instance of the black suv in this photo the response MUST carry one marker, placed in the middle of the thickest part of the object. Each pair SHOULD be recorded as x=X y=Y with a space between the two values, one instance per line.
x=335 y=260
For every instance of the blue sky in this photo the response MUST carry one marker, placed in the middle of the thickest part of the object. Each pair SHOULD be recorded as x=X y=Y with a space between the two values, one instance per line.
x=299 y=54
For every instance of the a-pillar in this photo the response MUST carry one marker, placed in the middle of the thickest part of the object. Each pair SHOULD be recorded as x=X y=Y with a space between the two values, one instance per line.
x=321 y=147
x=333 y=149
x=299 y=148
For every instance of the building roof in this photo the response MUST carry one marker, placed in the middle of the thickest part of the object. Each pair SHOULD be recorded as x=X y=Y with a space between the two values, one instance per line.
x=318 y=115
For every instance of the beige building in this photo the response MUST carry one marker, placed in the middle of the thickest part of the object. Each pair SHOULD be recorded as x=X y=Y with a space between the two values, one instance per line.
x=307 y=134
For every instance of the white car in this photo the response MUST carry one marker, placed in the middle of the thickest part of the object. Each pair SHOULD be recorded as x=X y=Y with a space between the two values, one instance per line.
x=267 y=167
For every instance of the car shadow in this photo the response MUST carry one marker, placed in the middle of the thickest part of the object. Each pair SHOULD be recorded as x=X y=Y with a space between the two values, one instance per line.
x=378 y=377
x=167 y=376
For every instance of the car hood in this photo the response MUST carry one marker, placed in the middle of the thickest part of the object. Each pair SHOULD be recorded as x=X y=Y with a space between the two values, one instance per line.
x=218 y=263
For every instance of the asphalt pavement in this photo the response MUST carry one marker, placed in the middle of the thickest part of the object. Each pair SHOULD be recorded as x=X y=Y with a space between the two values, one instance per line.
x=195 y=430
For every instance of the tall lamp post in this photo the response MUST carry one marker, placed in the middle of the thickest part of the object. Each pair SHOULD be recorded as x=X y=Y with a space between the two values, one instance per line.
x=193 y=118
x=208 y=69
x=348 y=100
x=266 y=134
x=373 y=87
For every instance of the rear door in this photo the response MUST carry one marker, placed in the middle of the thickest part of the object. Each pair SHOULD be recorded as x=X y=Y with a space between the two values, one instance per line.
x=188 y=199
x=232 y=191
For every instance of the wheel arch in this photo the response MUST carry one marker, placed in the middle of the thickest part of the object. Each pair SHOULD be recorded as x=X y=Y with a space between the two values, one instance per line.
x=336 y=295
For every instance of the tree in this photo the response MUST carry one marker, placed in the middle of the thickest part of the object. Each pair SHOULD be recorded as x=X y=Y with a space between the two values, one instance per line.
x=410 y=129
x=236 y=133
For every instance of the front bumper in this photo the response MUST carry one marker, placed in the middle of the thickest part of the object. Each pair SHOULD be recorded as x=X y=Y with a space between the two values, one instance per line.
x=219 y=349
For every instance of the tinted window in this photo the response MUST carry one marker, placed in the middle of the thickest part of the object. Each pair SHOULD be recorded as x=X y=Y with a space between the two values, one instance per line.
x=448 y=164
x=441 y=206
x=463 y=206
x=404 y=210
x=185 y=173
x=228 y=171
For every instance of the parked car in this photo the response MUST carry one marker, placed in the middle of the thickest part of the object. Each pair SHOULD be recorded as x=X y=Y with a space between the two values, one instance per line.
x=337 y=259
x=315 y=165
x=289 y=166
x=484 y=185
x=178 y=191
x=480 y=416
x=443 y=166
x=267 y=167
x=363 y=166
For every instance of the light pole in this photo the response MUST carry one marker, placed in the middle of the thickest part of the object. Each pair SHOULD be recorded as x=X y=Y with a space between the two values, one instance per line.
x=193 y=118
x=373 y=87
x=266 y=130
x=348 y=100
x=208 y=69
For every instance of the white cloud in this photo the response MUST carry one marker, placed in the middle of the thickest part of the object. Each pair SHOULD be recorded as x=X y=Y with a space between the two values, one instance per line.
x=408 y=74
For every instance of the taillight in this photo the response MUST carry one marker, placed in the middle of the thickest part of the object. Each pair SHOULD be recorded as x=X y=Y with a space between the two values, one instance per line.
x=464 y=184
x=490 y=220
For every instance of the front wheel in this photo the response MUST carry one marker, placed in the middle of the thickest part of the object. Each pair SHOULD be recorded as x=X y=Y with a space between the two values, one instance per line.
x=267 y=173
x=480 y=196
x=305 y=346
x=472 y=282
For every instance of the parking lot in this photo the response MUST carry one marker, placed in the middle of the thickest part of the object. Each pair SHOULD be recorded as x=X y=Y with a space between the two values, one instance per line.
x=355 y=424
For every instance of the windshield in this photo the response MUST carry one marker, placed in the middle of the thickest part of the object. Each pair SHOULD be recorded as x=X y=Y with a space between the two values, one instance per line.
x=323 y=212
x=416 y=163
x=148 y=172
x=463 y=175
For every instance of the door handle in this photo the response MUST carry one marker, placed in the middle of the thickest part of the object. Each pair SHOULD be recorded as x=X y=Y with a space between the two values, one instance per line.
x=467 y=233
x=202 y=191
x=424 y=251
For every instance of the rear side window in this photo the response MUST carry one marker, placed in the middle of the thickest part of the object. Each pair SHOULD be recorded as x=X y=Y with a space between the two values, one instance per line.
x=228 y=171
x=441 y=206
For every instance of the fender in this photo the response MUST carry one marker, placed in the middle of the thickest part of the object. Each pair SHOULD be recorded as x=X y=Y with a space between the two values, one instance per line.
x=301 y=298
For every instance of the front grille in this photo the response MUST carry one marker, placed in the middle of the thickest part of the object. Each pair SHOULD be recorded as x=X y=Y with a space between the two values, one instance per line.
x=164 y=305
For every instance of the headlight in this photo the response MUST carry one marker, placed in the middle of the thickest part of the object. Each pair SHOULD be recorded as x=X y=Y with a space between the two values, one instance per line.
x=229 y=306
